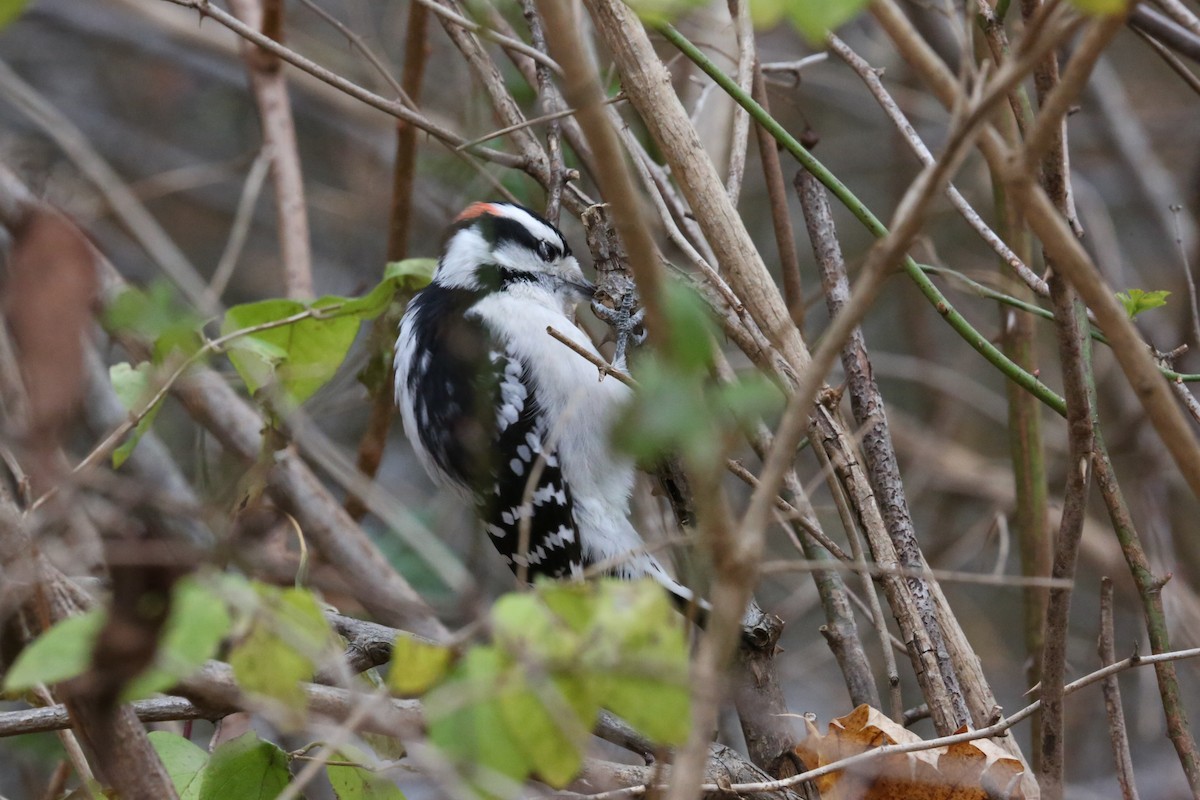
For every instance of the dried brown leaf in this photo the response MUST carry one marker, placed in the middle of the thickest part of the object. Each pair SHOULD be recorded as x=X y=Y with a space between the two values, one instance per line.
x=966 y=771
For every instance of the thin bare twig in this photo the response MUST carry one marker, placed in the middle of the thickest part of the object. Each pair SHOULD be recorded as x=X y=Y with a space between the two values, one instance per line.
x=880 y=455
x=130 y=211
x=395 y=108
x=361 y=46
x=1112 y=695
x=583 y=91
x=444 y=11
x=875 y=85
x=739 y=10
x=1146 y=20
x=1131 y=351
x=533 y=121
x=781 y=218
x=243 y=218
x=859 y=679
x=1046 y=150
x=1177 y=66
x=1149 y=587
x=1180 y=14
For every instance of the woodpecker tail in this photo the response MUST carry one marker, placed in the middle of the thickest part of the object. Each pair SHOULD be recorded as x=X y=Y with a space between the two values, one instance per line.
x=694 y=608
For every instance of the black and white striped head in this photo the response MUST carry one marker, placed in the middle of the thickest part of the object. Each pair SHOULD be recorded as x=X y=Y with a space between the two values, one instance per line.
x=492 y=246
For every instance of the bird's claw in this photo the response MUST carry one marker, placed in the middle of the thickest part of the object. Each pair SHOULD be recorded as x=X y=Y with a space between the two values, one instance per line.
x=626 y=322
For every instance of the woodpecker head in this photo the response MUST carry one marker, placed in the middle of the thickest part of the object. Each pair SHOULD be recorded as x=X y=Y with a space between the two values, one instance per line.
x=494 y=246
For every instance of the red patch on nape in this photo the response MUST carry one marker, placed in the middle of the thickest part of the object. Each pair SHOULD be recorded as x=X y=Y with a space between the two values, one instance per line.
x=477 y=210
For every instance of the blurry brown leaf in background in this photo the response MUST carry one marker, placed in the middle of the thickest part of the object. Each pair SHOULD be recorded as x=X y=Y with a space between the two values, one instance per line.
x=48 y=299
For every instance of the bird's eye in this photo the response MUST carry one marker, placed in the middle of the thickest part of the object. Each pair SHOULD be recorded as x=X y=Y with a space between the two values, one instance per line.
x=546 y=251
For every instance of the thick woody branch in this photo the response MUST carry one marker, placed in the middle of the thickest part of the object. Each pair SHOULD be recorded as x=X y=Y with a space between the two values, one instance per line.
x=883 y=467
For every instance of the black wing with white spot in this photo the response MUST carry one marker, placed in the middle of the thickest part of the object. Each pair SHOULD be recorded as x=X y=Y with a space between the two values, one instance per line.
x=477 y=416
x=450 y=385
x=527 y=470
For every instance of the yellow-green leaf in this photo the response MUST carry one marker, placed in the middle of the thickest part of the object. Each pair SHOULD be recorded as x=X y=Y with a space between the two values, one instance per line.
x=10 y=10
x=1101 y=8
x=816 y=18
x=417 y=666
x=300 y=356
x=288 y=633
x=359 y=783
x=544 y=726
x=1137 y=300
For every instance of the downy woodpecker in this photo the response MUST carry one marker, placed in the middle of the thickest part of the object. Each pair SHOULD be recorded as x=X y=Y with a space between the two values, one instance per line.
x=510 y=419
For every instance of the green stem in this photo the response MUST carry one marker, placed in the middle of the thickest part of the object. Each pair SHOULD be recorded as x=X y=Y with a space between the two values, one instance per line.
x=915 y=271
x=977 y=340
x=984 y=290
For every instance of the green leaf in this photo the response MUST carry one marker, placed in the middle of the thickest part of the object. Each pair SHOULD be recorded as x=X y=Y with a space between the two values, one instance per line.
x=288 y=633
x=63 y=652
x=133 y=389
x=245 y=768
x=409 y=275
x=642 y=657
x=194 y=629
x=300 y=357
x=668 y=412
x=359 y=783
x=525 y=704
x=184 y=761
x=416 y=666
x=465 y=721
x=747 y=398
x=816 y=18
x=660 y=710
x=690 y=328
x=1102 y=8
x=1136 y=300
x=155 y=314
x=10 y=10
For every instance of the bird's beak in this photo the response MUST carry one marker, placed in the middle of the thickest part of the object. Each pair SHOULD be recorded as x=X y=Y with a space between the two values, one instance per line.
x=585 y=288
